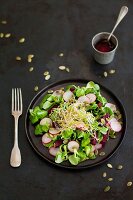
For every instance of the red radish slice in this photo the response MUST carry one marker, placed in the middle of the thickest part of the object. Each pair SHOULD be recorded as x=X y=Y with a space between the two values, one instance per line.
x=53 y=151
x=46 y=121
x=110 y=105
x=54 y=131
x=46 y=139
x=112 y=120
x=67 y=95
x=73 y=145
x=84 y=99
x=115 y=126
x=92 y=97
x=57 y=93
x=98 y=146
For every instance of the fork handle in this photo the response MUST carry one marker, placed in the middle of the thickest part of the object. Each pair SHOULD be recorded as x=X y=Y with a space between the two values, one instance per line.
x=15 y=159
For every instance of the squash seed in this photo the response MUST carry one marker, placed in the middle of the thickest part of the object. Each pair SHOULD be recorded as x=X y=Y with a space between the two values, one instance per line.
x=47 y=77
x=110 y=179
x=21 y=40
x=67 y=69
x=109 y=166
x=18 y=58
x=3 y=22
x=7 y=35
x=105 y=74
x=119 y=167
x=102 y=153
x=31 y=69
x=30 y=56
x=46 y=73
x=36 y=88
x=112 y=71
x=61 y=54
x=1 y=35
x=129 y=184
x=104 y=174
x=62 y=67
x=50 y=91
x=107 y=188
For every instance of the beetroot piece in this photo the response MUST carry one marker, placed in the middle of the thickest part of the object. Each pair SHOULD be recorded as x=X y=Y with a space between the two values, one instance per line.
x=105 y=138
x=100 y=104
x=106 y=116
x=51 y=109
x=72 y=89
x=58 y=143
x=93 y=141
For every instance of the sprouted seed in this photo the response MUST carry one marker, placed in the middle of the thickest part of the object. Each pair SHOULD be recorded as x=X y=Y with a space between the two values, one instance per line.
x=18 y=58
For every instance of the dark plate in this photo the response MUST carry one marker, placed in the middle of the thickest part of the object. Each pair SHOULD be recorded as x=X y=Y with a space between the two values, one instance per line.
x=111 y=146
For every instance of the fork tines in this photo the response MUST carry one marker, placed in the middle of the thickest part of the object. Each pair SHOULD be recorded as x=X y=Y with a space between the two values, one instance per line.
x=16 y=100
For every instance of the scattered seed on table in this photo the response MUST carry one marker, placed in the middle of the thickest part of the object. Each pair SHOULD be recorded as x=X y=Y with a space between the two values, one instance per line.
x=102 y=153
x=1 y=35
x=50 y=91
x=18 y=58
x=129 y=184
x=36 y=88
x=112 y=71
x=30 y=56
x=110 y=179
x=46 y=73
x=31 y=69
x=7 y=35
x=61 y=54
x=67 y=69
x=119 y=167
x=107 y=188
x=62 y=67
x=105 y=74
x=47 y=77
x=109 y=166
x=21 y=40
x=104 y=174
x=3 y=22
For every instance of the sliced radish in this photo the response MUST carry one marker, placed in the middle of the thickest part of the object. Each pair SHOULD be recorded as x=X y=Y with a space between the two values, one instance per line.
x=53 y=151
x=112 y=106
x=46 y=121
x=46 y=139
x=57 y=93
x=92 y=97
x=112 y=120
x=83 y=99
x=54 y=131
x=67 y=95
x=98 y=146
x=72 y=145
x=115 y=126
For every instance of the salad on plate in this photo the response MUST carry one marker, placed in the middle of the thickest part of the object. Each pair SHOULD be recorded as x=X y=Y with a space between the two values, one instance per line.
x=75 y=122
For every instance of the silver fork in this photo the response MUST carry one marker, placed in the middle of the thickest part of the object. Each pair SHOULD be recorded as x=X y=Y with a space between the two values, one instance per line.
x=15 y=159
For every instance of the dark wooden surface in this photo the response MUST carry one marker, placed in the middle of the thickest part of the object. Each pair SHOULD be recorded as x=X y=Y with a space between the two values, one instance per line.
x=51 y=27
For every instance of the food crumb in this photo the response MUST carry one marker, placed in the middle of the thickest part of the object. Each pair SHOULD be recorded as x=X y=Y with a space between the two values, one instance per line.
x=67 y=69
x=62 y=67
x=119 y=167
x=18 y=58
x=31 y=69
x=110 y=179
x=129 y=184
x=3 y=22
x=105 y=74
x=112 y=71
x=36 y=88
x=107 y=188
x=47 y=77
x=1 y=35
x=104 y=174
x=102 y=153
x=21 y=40
x=46 y=73
x=61 y=54
x=7 y=35
x=109 y=166
x=30 y=56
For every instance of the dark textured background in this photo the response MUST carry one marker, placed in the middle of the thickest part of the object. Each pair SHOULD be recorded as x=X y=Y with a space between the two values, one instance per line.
x=51 y=27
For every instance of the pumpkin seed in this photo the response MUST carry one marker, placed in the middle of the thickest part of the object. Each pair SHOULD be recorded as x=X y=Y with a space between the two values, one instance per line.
x=105 y=74
x=102 y=153
x=4 y=22
x=112 y=71
x=36 y=88
x=104 y=174
x=30 y=56
x=46 y=73
x=50 y=91
x=110 y=179
x=47 y=77
x=109 y=166
x=67 y=69
x=62 y=67
x=31 y=69
x=18 y=58
x=21 y=40
x=7 y=35
x=107 y=188
x=119 y=167
x=129 y=184
x=1 y=35
x=61 y=54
